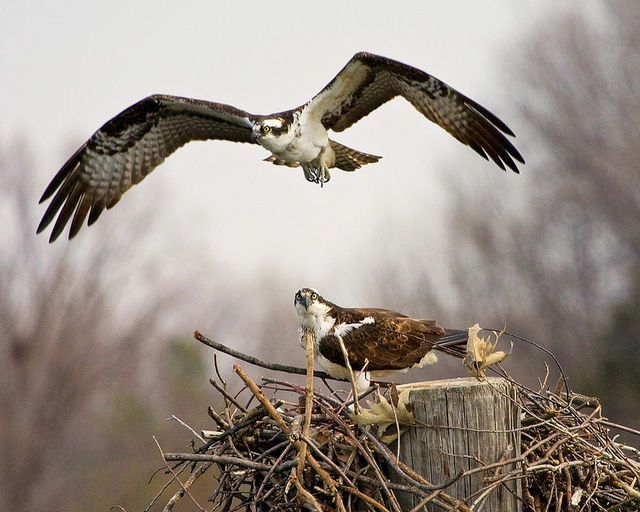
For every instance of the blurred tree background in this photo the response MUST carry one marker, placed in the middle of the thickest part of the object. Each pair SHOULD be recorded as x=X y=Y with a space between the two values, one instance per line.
x=86 y=375
x=83 y=379
x=560 y=257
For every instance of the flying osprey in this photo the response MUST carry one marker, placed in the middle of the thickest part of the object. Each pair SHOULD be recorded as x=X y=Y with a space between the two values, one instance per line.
x=389 y=341
x=129 y=146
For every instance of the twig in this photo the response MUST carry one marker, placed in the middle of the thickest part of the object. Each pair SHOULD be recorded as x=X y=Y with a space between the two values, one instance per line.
x=349 y=488
x=425 y=500
x=366 y=454
x=227 y=396
x=394 y=400
x=383 y=481
x=271 y=410
x=364 y=497
x=326 y=478
x=326 y=460
x=254 y=360
x=175 y=477
x=352 y=380
x=405 y=471
x=187 y=485
x=222 y=423
x=272 y=470
x=277 y=417
x=162 y=489
x=223 y=459
x=626 y=487
x=309 y=340
x=305 y=497
x=620 y=427
x=251 y=417
x=565 y=381
x=175 y=418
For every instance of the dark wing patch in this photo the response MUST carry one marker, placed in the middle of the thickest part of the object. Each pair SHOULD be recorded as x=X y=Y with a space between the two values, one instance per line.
x=368 y=81
x=127 y=148
x=392 y=342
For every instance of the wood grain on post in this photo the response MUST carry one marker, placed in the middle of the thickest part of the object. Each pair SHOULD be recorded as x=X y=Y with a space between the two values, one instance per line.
x=463 y=424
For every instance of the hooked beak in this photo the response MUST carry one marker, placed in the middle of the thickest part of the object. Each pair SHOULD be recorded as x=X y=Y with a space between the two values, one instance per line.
x=304 y=301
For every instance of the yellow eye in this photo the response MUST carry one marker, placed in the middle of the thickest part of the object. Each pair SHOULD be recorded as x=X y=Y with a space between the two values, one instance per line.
x=298 y=296
x=314 y=296
x=266 y=129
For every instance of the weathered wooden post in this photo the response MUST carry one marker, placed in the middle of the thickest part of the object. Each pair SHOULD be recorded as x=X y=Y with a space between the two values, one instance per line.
x=462 y=424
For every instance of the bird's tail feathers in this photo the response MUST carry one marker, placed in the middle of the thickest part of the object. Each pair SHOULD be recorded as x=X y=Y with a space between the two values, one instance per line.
x=278 y=161
x=454 y=342
x=349 y=159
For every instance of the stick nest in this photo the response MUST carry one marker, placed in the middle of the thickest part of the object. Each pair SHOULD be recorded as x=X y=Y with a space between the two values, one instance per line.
x=259 y=458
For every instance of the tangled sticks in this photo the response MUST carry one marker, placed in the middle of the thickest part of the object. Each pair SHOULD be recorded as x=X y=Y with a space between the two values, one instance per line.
x=568 y=459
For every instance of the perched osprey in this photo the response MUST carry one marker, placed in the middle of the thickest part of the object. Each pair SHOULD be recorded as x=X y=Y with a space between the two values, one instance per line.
x=389 y=341
x=129 y=146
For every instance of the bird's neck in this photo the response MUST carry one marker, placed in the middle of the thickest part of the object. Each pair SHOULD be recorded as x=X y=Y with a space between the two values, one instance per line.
x=317 y=319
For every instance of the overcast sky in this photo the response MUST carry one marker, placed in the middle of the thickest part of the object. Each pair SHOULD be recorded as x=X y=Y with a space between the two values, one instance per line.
x=68 y=67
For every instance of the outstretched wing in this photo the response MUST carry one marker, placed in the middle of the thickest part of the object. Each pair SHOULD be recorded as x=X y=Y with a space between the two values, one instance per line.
x=127 y=148
x=368 y=81
x=391 y=342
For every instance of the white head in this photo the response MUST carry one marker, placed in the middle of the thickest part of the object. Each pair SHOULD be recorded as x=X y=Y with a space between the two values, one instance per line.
x=273 y=133
x=313 y=311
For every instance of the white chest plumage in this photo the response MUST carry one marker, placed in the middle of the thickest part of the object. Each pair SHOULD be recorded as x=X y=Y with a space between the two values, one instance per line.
x=301 y=143
x=316 y=319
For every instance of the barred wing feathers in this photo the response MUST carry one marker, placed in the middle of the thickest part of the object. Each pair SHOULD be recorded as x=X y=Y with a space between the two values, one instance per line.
x=127 y=148
x=368 y=81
